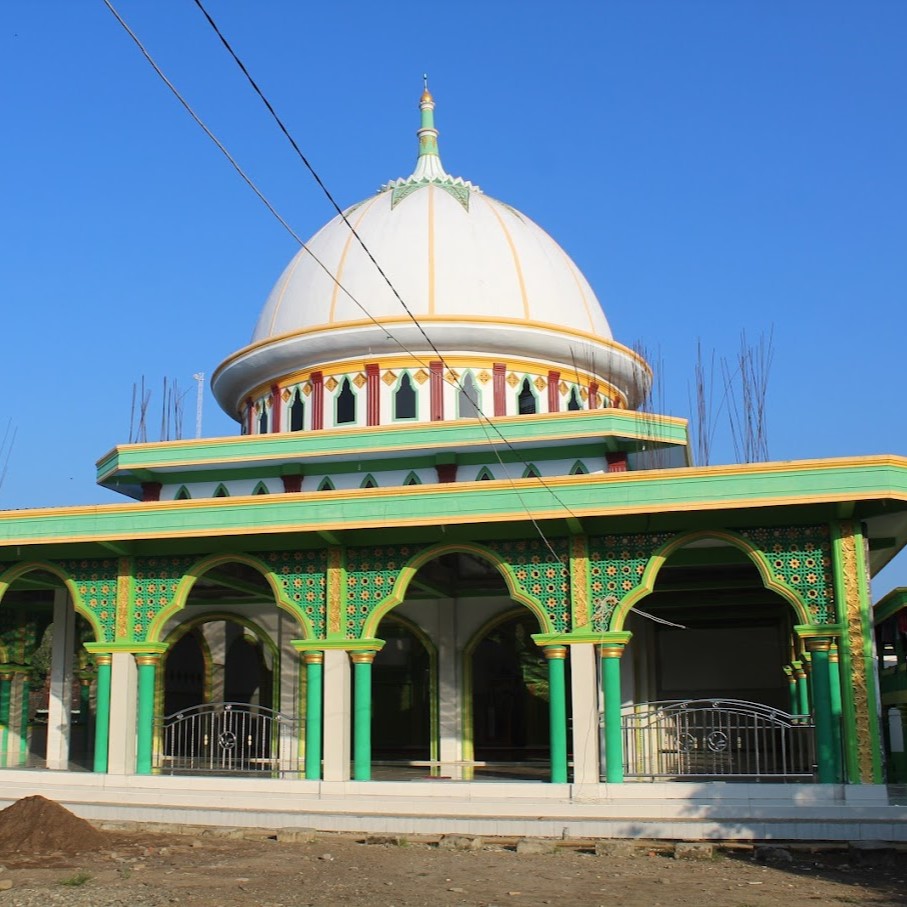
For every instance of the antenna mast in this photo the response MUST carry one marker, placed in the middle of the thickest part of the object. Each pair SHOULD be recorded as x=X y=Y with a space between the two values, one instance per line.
x=200 y=378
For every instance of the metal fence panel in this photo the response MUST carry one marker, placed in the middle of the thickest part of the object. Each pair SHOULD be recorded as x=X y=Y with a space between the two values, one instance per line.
x=710 y=738
x=223 y=738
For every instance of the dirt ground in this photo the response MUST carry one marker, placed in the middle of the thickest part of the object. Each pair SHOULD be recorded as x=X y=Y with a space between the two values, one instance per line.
x=106 y=869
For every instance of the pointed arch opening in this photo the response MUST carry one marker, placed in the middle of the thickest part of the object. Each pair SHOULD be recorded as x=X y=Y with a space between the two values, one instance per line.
x=260 y=488
x=326 y=484
x=297 y=411
x=368 y=482
x=405 y=398
x=484 y=475
x=263 y=420
x=221 y=491
x=346 y=404
x=579 y=469
x=182 y=494
x=527 y=401
x=469 y=400
x=531 y=472
x=412 y=479
x=574 y=403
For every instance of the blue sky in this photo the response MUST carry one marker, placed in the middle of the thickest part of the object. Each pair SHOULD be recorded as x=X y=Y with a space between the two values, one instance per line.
x=712 y=167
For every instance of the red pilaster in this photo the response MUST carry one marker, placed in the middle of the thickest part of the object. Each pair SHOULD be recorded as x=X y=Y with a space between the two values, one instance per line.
x=317 y=379
x=372 y=394
x=250 y=416
x=275 y=408
x=593 y=395
x=499 y=384
x=292 y=483
x=617 y=461
x=436 y=390
x=554 y=394
x=447 y=472
x=151 y=491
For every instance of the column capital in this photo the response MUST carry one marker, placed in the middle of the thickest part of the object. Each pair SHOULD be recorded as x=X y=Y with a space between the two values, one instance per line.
x=362 y=658
x=313 y=657
x=147 y=658
x=555 y=652
x=818 y=644
x=611 y=650
x=104 y=658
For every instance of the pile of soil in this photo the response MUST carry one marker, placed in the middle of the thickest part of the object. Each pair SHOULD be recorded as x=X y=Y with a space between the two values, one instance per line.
x=38 y=825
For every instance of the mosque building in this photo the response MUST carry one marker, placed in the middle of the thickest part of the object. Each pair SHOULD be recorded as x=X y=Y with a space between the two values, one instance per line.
x=447 y=543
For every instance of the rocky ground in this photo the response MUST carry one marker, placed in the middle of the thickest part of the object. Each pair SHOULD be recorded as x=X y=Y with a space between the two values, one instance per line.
x=74 y=865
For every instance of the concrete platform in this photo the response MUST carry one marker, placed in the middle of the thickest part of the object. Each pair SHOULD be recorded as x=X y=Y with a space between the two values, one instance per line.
x=674 y=811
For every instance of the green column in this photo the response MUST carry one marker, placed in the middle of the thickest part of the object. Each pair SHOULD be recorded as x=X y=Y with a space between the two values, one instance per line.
x=834 y=680
x=822 y=715
x=147 y=665
x=314 y=678
x=23 y=736
x=102 y=713
x=557 y=711
x=802 y=691
x=614 y=748
x=6 y=689
x=362 y=715
x=793 y=699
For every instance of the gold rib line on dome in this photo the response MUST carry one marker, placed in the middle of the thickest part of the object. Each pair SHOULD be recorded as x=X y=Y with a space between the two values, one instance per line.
x=296 y=260
x=338 y=277
x=571 y=267
x=516 y=258
x=431 y=250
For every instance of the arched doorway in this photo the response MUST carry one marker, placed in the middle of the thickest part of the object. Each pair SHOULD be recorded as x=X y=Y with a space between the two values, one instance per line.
x=704 y=686
x=510 y=700
x=47 y=678
x=231 y=692
x=404 y=698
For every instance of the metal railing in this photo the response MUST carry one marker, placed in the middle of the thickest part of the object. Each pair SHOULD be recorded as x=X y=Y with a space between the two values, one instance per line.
x=225 y=738
x=709 y=738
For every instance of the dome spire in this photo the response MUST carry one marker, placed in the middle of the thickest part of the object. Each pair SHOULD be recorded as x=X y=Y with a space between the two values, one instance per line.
x=428 y=165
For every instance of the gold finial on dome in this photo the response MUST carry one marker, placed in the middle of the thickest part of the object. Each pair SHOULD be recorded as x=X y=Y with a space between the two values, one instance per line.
x=426 y=94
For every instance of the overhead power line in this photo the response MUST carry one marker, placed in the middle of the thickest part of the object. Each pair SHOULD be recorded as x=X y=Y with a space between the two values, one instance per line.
x=483 y=419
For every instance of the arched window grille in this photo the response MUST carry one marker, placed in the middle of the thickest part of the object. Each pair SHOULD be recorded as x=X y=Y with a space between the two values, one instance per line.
x=346 y=404
x=297 y=412
x=405 y=399
x=526 y=402
x=574 y=402
x=468 y=400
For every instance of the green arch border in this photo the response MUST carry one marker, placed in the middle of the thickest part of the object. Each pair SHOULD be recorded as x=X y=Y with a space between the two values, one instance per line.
x=8 y=577
x=663 y=552
x=200 y=568
x=415 y=563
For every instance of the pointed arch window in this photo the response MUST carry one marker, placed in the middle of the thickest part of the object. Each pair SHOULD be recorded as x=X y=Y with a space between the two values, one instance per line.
x=221 y=491
x=468 y=400
x=369 y=482
x=297 y=412
x=263 y=421
x=182 y=494
x=346 y=404
x=574 y=402
x=260 y=488
x=531 y=472
x=526 y=403
x=325 y=484
x=579 y=469
x=484 y=475
x=412 y=479
x=405 y=399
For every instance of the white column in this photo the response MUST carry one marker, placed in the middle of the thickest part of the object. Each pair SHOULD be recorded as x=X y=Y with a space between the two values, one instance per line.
x=59 y=710
x=123 y=701
x=449 y=706
x=337 y=719
x=584 y=700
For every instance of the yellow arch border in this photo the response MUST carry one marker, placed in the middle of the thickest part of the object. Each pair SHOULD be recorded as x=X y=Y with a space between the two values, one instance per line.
x=8 y=577
x=661 y=554
x=370 y=625
x=199 y=569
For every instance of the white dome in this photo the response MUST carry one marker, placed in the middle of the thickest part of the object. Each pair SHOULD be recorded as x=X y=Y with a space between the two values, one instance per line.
x=479 y=276
x=449 y=251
